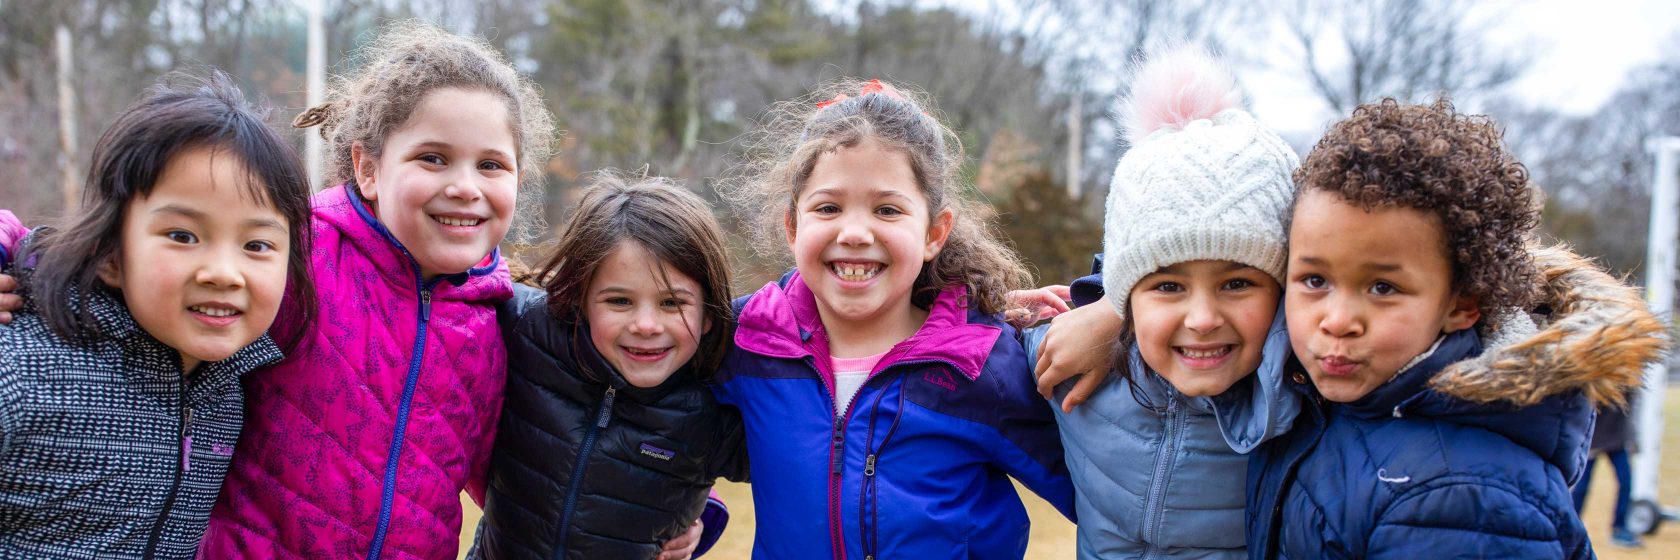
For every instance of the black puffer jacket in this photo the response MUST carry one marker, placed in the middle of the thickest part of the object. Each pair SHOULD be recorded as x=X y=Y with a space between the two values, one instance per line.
x=649 y=456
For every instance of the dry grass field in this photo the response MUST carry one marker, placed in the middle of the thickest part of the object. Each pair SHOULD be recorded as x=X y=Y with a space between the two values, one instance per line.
x=1053 y=536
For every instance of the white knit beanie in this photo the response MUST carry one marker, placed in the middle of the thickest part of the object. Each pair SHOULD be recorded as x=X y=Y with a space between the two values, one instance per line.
x=1202 y=181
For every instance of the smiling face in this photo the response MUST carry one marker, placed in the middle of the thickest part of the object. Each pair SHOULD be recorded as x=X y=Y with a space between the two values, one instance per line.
x=647 y=329
x=202 y=265
x=1368 y=292
x=446 y=181
x=860 y=232
x=1202 y=324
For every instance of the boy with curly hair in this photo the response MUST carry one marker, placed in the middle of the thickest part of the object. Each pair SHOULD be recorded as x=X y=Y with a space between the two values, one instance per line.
x=1450 y=367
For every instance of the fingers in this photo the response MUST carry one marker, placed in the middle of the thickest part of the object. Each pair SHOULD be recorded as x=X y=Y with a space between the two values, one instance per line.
x=682 y=546
x=1082 y=391
x=1063 y=292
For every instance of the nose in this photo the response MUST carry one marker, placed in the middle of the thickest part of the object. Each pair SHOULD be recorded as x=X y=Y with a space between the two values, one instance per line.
x=646 y=322
x=464 y=187
x=1342 y=317
x=221 y=270
x=1203 y=316
x=854 y=231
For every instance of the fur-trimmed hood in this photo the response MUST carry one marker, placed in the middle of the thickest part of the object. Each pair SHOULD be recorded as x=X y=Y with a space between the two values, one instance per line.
x=1591 y=332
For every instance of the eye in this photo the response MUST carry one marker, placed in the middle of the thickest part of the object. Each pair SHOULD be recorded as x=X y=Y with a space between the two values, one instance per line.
x=1384 y=289
x=182 y=237
x=888 y=211
x=1237 y=284
x=491 y=165
x=672 y=303
x=260 y=247
x=1168 y=287
x=617 y=301
x=1314 y=282
x=433 y=159
x=827 y=209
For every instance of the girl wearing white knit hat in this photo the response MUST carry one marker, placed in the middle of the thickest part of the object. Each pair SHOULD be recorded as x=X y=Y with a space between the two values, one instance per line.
x=1194 y=245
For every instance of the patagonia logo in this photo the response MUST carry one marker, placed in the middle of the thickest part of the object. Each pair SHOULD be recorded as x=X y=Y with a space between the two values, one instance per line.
x=220 y=449
x=941 y=378
x=657 y=453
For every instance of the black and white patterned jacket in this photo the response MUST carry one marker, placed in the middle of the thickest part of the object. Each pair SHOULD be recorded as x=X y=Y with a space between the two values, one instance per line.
x=107 y=450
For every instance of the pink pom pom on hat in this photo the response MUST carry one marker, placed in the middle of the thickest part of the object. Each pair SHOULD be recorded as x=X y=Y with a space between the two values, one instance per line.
x=1173 y=90
x=1202 y=179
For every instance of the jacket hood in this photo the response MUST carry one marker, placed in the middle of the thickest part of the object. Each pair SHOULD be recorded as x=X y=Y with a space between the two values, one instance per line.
x=1594 y=334
x=342 y=210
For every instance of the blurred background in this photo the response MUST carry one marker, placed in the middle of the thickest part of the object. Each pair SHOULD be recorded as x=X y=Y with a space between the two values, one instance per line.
x=1031 y=86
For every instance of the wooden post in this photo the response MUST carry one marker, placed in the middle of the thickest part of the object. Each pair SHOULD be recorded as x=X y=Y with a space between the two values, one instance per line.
x=317 y=55
x=66 y=122
x=1076 y=144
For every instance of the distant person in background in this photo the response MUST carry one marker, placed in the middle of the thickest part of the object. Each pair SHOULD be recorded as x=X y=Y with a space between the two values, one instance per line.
x=1613 y=437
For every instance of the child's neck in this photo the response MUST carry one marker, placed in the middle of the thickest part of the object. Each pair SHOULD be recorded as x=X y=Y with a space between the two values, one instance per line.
x=857 y=339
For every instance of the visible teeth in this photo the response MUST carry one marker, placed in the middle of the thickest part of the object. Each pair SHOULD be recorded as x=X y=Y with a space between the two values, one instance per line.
x=856 y=272
x=1203 y=354
x=214 y=311
x=456 y=221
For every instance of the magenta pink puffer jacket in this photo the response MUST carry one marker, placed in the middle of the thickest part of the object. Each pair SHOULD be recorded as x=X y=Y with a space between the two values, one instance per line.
x=359 y=444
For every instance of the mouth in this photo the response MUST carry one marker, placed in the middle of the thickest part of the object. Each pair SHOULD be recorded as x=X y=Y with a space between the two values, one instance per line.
x=1337 y=365
x=456 y=221
x=1204 y=356
x=215 y=314
x=645 y=354
x=855 y=271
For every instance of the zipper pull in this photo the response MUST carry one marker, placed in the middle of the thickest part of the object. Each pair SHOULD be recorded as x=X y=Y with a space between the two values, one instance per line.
x=425 y=304
x=869 y=466
x=186 y=440
x=839 y=446
x=606 y=408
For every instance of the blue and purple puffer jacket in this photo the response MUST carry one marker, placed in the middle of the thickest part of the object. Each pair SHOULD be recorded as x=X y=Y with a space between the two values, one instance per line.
x=919 y=464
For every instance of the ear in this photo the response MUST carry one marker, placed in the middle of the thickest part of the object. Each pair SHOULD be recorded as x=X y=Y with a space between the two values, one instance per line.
x=364 y=166
x=789 y=227
x=110 y=272
x=939 y=230
x=705 y=324
x=1462 y=315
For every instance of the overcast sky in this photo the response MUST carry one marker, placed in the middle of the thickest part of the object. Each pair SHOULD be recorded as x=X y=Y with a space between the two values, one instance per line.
x=1583 y=50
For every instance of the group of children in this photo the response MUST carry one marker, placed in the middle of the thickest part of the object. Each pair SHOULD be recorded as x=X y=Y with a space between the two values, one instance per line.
x=1365 y=355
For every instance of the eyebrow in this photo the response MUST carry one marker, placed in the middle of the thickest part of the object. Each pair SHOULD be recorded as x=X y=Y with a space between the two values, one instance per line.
x=886 y=193
x=183 y=211
x=440 y=145
x=1379 y=267
x=618 y=289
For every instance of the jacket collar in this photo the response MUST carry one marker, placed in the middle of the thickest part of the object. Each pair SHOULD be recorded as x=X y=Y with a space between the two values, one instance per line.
x=781 y=320
x=117 y=323
x=343 y=209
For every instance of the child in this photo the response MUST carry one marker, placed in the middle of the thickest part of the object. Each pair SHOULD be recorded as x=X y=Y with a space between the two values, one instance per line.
x=1194 y=245
x=360 y=445
x=1442 y=425
x=886 y=405
x=609 y=439
x=119 y=378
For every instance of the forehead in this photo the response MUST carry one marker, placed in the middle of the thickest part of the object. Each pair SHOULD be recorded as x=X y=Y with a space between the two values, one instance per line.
x=868 y=168
x=1339 y=234
x=630 y=265
x=209 y=179
x=467 y=118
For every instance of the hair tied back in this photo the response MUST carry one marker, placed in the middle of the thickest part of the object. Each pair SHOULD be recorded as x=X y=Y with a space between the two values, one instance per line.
x=319 y=115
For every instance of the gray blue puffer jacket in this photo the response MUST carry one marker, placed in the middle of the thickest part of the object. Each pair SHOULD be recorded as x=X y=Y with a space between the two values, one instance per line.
x=1166 y=479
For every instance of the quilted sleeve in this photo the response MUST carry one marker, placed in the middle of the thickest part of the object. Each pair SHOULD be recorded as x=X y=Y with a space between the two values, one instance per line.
x=1444 y=520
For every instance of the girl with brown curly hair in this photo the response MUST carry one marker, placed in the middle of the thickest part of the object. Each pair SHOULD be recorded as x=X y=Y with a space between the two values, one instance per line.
x=886 y=403
x=1450 y=367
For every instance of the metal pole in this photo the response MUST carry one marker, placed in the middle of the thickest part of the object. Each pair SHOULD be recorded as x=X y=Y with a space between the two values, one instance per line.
x=317 y=54
x=1659 y=291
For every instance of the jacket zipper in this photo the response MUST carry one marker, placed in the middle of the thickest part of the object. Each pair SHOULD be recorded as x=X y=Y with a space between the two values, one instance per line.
x=1158 y=482
x=869 y=507
x=837 y=456
x=578 y=469
x=1290 y=468
x=388 y=494
x=181 y=466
